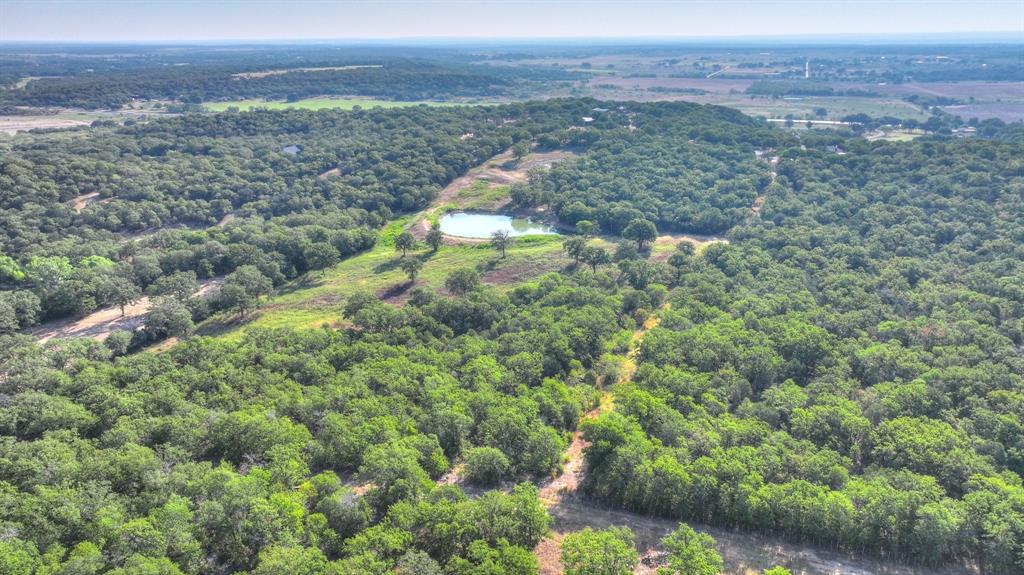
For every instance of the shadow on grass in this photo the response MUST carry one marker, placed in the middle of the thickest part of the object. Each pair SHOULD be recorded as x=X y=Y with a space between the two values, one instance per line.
x=492 y=264
x=395 y=291
x=394 y=263
x=225 y=322
x=300 y=283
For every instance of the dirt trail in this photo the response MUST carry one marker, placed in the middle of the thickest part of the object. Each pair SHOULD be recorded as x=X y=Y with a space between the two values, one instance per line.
x=559 y=493
x=743 y=553
x=772 y=162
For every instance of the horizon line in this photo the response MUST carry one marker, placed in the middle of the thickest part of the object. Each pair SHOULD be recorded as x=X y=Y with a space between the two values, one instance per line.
x=1005 y=36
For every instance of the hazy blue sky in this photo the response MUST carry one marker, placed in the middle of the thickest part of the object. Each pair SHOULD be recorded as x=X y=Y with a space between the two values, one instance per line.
x=161 y=20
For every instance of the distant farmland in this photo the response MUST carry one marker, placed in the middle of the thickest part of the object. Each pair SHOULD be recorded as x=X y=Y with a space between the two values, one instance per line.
x=320 y=104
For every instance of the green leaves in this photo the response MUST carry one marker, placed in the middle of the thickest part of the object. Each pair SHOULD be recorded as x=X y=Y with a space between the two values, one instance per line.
x=606 y=552
x=690 y=553
x=641 y=231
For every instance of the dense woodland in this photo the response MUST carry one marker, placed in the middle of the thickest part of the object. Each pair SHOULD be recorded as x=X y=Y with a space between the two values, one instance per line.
x=112 y=76
x=690 y=173
x=394 y=80
x=847 y=371
x=221 y=457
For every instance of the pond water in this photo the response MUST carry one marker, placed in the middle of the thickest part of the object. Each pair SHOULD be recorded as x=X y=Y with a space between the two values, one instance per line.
x=467 y=225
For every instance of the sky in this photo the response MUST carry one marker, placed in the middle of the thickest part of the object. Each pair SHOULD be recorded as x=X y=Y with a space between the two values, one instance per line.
x=206 y=20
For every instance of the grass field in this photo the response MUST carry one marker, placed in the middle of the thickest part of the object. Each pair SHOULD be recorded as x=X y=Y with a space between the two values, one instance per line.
x=481 y=196
x=894 y=136
x=316 y=299
x=837 y=107
x=320 y=104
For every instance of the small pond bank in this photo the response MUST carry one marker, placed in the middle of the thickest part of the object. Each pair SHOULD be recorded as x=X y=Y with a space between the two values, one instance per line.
x=478 y=225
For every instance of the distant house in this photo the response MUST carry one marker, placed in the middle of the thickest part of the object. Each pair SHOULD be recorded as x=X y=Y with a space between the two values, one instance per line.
x=587 y=119
x=291 y=149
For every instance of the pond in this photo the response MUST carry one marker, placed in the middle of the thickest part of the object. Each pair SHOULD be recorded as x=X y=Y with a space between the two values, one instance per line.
x=467 y=225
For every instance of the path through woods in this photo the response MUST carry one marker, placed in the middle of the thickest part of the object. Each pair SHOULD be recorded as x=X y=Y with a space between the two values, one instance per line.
x=556 y=493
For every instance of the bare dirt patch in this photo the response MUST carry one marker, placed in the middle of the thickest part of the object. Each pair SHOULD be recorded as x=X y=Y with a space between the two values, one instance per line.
x=757 y=205
x=15 y=124
x=665 y=244
x=101 y=323
x=453 y=477
x=78 y=203
x=396 y=294
x=522 y=271
x=22 y=82
x=500 y=169
x=330 y=172
x=97 y=325
x=265 y=73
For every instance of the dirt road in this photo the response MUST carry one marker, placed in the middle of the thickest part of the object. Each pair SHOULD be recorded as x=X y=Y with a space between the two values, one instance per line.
x=559 y=494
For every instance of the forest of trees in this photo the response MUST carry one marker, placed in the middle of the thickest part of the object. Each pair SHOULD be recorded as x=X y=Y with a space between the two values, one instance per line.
x=218 y=457
x=687 y=172
x=160 y=190
x=394 y=80
x=847 y=371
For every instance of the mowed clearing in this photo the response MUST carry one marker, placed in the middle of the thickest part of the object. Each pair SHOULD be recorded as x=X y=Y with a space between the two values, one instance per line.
x=317 y=299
